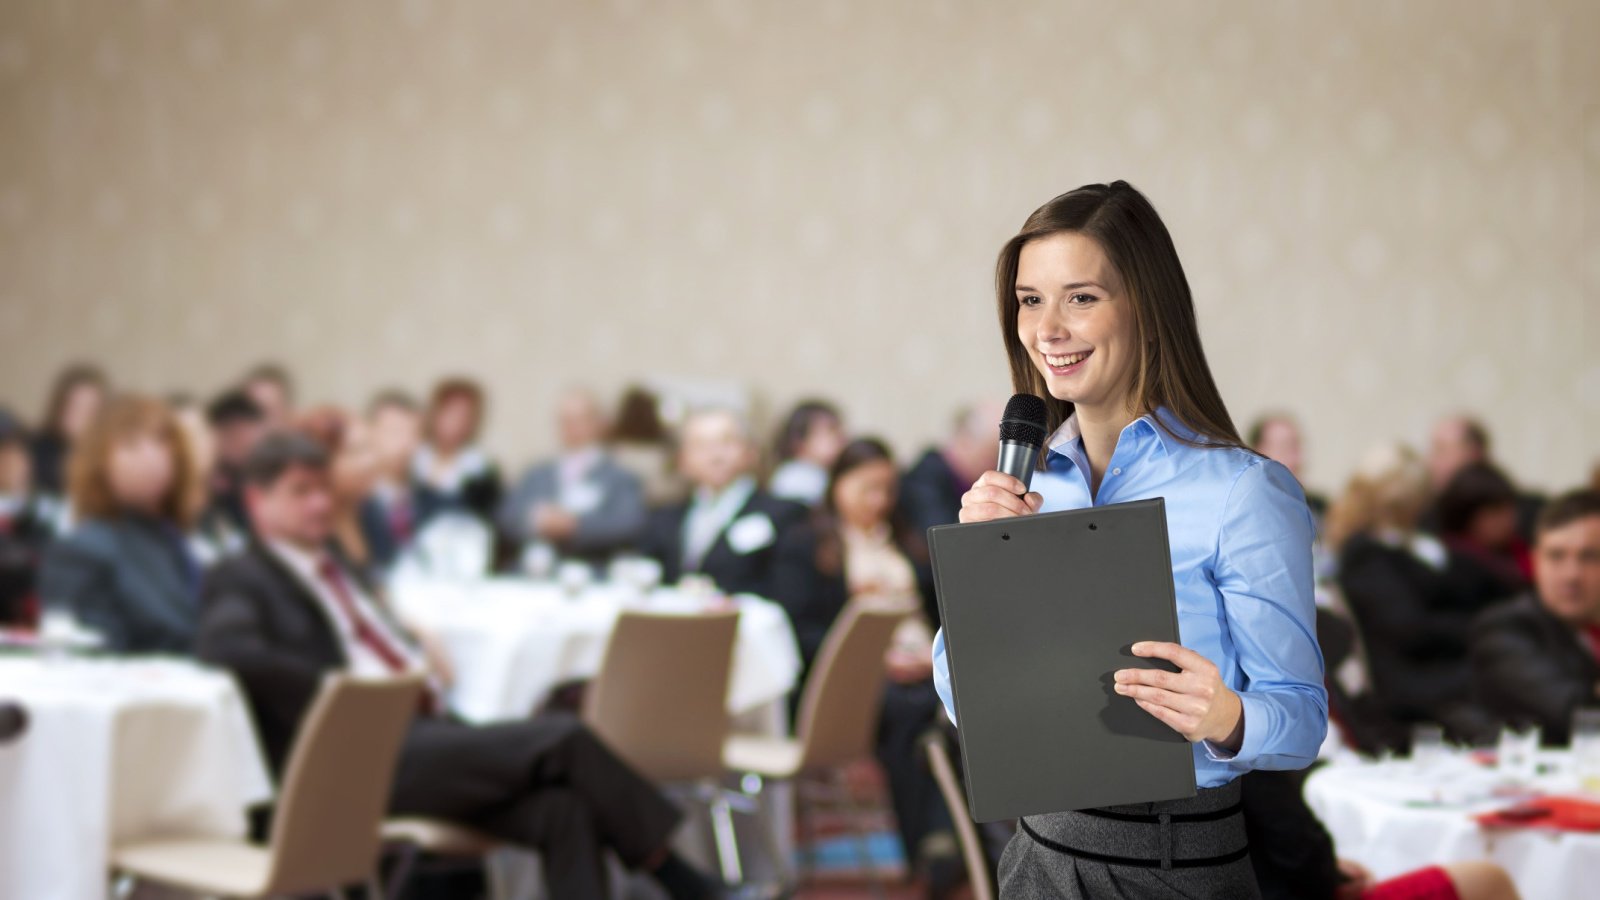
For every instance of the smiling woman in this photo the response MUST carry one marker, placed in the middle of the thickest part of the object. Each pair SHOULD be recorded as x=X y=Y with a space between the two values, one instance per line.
x=1098 y=321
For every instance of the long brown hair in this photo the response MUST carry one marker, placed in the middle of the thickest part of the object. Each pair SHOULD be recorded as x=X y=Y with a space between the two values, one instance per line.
x=1388 y=491
x=89 y=477
x=1172 y=370
x=825 y=520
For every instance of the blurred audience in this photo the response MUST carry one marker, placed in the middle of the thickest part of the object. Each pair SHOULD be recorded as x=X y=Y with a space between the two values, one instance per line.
x=855 y=550
x=126 y=569
x=1537 y=660
x=76 y=397
x=930 y=491
x=809 y=441
x=395 y=421
x=352 y=473
x=1278 y=436
x=1476 y=515
x=272 y=389
x=640 y=444
x=1458 y=441
x=214 y=534
x=729 y=527
x=236 y=424
x=289 y=609
x=26 y=525
x=581 y=504
x=450 y=470
x=1393 y=578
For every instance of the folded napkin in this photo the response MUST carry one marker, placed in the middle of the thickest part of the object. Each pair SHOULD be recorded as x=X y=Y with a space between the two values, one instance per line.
x=1553 y=813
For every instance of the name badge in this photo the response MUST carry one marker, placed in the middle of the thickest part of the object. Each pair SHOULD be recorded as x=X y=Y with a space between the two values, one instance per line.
x=582 y=498
x=750 y=533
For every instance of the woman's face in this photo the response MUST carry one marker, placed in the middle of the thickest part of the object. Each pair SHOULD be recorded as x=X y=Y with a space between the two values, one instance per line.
x=453 y=422
x=1077 y=322
x=824 y=439
x=141 y=470
x=865 y=496
x=82 y=405
x=355 y=467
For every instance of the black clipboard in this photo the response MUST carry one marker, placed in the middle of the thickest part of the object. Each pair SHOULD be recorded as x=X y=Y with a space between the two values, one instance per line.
x=1038 y=612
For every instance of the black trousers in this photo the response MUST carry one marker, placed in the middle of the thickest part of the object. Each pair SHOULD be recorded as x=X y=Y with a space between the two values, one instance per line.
x=546 y=783
x=910 y=711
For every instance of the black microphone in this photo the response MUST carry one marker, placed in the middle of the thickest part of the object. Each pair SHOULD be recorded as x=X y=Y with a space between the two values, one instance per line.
x=13 y=721
x=1021 y=436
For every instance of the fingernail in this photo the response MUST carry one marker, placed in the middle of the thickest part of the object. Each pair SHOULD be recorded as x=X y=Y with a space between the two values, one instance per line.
x=1122 y=688
x=1139 y=647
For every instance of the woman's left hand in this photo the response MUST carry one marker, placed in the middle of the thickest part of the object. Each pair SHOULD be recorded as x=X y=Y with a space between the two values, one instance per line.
x=1193 y=701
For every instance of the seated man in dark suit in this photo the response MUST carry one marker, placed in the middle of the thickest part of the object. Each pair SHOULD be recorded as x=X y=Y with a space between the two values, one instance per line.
x=729 y=527
x=930 y=491
x=1536 y=660
x=285 y=611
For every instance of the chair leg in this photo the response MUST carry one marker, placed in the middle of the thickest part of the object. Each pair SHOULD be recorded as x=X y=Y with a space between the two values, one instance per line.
x=767 y=823
x=727 y=842
x=805 y=836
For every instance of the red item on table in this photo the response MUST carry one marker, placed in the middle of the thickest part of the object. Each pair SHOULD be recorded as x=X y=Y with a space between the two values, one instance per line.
x=1554 y=813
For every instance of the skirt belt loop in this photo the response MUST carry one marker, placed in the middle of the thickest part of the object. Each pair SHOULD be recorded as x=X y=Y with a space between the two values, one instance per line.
x=1166 y=840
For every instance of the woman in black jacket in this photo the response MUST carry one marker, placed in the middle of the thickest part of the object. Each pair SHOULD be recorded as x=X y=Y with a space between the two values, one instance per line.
x=1394 y=579
x=856 y=551
x=126 y=569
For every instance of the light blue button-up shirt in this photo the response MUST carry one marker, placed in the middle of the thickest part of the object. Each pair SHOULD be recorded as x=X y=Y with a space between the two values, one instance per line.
x=1240 y=534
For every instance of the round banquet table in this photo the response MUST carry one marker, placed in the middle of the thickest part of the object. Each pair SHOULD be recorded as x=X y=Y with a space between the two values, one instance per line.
x=1393 y=816
x=117 y=749
x=510 y=640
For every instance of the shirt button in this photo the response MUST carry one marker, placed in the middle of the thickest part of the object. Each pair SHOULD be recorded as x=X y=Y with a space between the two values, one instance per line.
x=1116 y=471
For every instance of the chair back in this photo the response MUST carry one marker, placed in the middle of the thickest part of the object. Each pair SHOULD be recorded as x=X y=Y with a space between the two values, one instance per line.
x=944 y=773
x=661 y=698
x=336 y=787
x=843 y=695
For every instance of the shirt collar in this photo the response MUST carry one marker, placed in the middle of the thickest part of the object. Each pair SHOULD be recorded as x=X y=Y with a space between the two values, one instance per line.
x=1169 y=431
x=739 y=489
x=303 y=562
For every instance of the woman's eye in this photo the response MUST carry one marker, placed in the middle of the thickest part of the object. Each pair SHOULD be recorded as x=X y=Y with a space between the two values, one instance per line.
x=1081 y=299
x=1029 y=301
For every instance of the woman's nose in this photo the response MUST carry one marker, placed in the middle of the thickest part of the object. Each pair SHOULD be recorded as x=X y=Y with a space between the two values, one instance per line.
x=1052 y=326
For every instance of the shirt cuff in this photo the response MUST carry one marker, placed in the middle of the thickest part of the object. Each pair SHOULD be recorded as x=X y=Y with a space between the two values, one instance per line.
x=1250 y=710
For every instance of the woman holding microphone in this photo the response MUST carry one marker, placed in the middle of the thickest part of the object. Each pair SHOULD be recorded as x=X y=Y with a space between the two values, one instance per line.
x=1098 y=321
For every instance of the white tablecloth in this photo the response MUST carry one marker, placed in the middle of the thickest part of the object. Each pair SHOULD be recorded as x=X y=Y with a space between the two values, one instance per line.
x=510 y=640
x=115 y=750
x=1394 y=816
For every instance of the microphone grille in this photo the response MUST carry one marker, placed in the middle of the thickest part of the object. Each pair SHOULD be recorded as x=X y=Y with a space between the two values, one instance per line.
x=1023 y=421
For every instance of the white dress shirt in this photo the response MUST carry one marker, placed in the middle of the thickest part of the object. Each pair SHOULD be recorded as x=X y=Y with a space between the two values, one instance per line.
x=363 y=659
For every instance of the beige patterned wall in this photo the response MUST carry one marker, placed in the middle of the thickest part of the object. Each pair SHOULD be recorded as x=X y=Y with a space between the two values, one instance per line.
x=1387 y=209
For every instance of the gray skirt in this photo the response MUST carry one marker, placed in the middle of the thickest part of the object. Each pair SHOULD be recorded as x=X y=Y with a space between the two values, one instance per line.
x=1176 y=848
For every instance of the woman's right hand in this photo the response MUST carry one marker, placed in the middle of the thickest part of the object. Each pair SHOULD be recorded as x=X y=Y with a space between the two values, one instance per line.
x=996 y=495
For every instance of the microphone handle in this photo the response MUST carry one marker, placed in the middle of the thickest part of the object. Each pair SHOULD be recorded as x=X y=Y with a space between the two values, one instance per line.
x=1017 y=459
